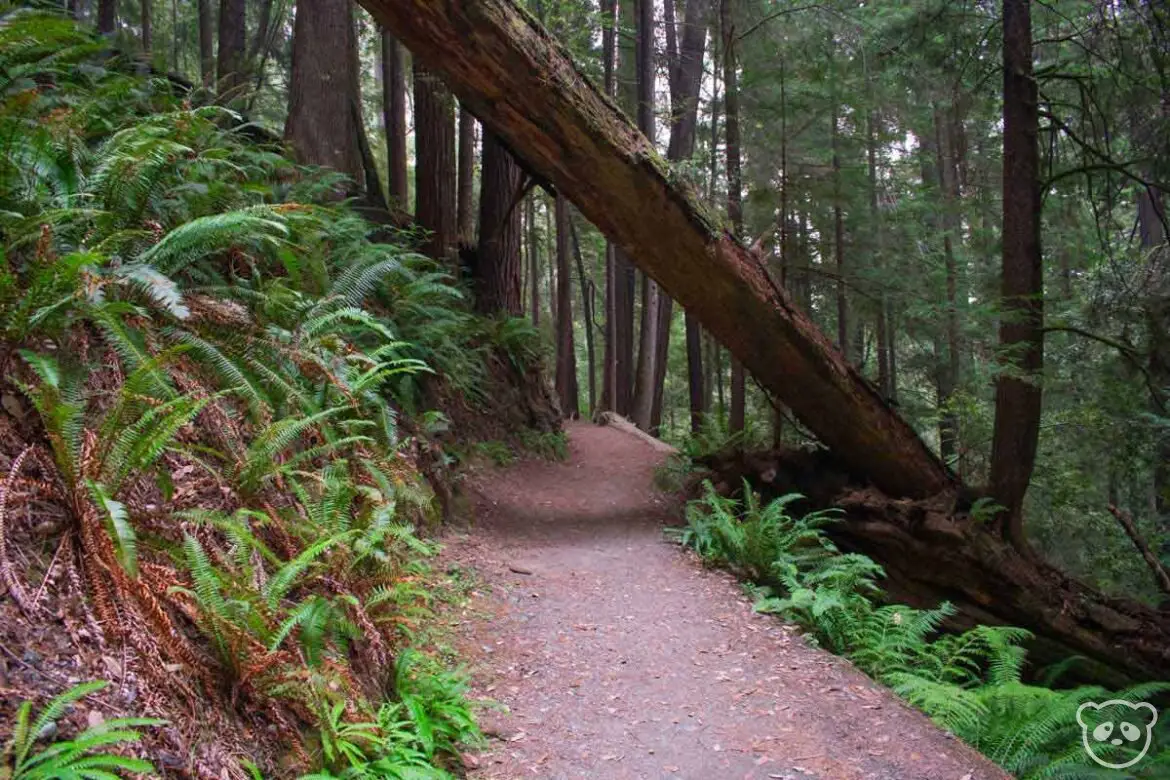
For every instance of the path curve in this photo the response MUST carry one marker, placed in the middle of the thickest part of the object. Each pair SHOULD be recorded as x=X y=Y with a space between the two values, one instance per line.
x=620 y=656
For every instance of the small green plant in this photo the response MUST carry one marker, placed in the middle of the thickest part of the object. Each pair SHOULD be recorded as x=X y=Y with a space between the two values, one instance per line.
x=550 y=445
x=970 y=683
x=81 y=757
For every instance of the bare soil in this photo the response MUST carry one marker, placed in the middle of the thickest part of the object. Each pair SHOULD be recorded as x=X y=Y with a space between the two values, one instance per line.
x=618 y=655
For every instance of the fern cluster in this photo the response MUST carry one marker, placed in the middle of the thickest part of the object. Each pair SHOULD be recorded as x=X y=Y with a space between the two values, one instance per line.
x=221 y=359
x=970 y=683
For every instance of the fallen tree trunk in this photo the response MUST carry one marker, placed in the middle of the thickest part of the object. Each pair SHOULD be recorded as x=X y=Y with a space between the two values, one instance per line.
x=518 y=81
x=934 y=550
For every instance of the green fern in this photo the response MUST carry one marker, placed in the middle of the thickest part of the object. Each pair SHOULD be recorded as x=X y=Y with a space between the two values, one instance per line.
x=81 y=757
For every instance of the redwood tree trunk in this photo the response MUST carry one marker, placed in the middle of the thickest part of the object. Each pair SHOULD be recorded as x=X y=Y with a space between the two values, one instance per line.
x=566 y=379
x=466 y=185
x=206 y=44
x=321 y=125
x=736 y=419
x=107 y=16
x=394 y=117
x=497 y=268
x=232 y=57
x=434 y=140
x=642 y=410
x=147 y=26
x=686 y=75
x=519 y=83
x=1021 y=335
x=609 y=383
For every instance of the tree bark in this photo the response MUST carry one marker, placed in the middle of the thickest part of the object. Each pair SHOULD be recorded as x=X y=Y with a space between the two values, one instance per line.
x=1021 y=334
x=434 y=139
x=147 y=27
x=520 y=84
x=948 y=182
x=566 y=379
x=587 y=306
x=497 y=268
x=107 y=16
x=232 y=56
x=394 y=117
x=642 y=410
x=686 y=75
x=466 y=185
x=321 y=126
x=736 y=419
x=839 y=234
x=206 y=44
x=533 y=262
x=609 y=382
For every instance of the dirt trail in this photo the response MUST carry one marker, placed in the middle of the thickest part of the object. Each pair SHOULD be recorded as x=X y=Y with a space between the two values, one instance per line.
x=619 y=656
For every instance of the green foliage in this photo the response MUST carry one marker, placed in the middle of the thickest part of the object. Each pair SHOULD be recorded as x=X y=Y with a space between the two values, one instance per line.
x=970 y=683
x=197 y=322
x=83 y=756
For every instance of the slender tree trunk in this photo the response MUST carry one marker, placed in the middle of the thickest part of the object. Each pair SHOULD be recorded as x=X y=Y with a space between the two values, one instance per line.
x=839 y=234
x=434 y=133
x=231 y=59
x=1021 y=335
x=642 y=411
x=497 y=268
x=587 y=287
x=533 y=261
x=949 y=184
x=263 y=34
x=175 y=39
x=107 y=16
x=147 y=27
x=206 y=44
x=609 y=384
x=734 y=184
x=394 y=117
x=878 y=259
x=466 y=185
x=320 y=125
x=73 y=7
x=686 y=75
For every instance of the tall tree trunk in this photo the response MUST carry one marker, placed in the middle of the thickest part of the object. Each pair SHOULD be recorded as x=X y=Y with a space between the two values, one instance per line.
x=519 y=83
x=533 y=261
x=231 y=58
x=147 y=26
x=625 y=271
x=877 y=260
x=736 y=420
x=263 y=33
x=948 y=181
x=641 y=413
x=206 y=44
x=466 y=185
x=838 y=231
x=587 y=311
x=394 y=117
x=1021 y=335
x=434 y=141
x=609 y=374
x=107 y=16
x=497 y=268
x=321 y=126
x=686 y=75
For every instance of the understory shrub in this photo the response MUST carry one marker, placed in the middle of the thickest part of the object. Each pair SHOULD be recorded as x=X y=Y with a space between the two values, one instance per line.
x=970 y=683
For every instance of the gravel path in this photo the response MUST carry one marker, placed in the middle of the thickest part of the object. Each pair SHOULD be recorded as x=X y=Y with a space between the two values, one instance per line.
x=619 y=656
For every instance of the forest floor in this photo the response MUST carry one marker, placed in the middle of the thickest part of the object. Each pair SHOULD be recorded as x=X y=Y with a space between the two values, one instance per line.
x=618 y=655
